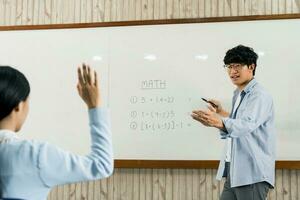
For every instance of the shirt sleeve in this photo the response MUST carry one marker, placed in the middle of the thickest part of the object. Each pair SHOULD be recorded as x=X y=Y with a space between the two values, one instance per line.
x=57 y=166
x=258 y=110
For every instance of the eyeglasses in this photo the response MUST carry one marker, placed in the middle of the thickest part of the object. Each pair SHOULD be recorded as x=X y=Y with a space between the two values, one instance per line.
x=237 y=67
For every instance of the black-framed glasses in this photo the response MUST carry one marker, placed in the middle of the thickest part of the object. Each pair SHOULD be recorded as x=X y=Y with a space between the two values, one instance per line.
x=235 y=66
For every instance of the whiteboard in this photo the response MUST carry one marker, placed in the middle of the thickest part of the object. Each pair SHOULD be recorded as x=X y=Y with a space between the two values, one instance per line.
x=152 y=77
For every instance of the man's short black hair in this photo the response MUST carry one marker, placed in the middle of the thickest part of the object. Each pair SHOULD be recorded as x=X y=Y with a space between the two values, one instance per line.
x=241 y=54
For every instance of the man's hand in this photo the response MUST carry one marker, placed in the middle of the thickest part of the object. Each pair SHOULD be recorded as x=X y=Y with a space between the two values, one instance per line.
x=88 y=86
x=219 y=109
x=208 y=118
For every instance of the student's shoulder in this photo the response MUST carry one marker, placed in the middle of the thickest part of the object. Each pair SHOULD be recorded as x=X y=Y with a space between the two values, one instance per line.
x=29 y=147
x=22 y=151
x=38 y=145
x=26 y=146
x=36 y=150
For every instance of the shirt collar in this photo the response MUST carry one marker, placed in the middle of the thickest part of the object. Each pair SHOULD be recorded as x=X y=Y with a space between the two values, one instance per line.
x=7 y=134
x=248 y=87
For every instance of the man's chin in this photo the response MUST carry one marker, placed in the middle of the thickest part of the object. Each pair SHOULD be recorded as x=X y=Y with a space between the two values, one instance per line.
x=235 y=82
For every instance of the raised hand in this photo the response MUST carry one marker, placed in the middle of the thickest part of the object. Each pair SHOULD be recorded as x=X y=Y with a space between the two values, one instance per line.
x=88 y=86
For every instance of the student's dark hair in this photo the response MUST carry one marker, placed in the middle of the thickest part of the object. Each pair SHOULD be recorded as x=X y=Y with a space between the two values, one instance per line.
x=241 y=54
x=14 y=88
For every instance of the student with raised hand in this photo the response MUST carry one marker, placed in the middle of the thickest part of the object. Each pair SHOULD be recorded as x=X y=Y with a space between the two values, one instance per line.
x=248 y=160
x=29 y=169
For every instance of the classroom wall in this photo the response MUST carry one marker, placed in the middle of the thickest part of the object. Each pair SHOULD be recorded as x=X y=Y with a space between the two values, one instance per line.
x=146 y=184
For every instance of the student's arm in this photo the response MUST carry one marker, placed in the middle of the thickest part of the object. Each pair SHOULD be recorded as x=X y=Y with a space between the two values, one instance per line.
x=258 y=109
x=57 y=166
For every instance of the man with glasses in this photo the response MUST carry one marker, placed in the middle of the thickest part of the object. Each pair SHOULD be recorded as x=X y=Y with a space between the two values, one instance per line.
x=248 y=161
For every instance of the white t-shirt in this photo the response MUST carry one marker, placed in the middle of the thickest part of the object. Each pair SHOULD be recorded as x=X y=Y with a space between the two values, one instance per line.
x=228 y=140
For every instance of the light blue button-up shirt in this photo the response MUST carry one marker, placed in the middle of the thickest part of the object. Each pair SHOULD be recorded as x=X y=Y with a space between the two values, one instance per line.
x=253 y=138
x=29 y=169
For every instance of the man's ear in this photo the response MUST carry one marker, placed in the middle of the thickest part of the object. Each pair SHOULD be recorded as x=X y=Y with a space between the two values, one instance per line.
x=252 y=66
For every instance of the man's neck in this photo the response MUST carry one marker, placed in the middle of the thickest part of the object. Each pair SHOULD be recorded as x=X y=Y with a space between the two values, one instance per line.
x=242 y=86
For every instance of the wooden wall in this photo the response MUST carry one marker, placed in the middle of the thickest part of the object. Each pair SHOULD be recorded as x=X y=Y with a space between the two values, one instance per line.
x=146 y=184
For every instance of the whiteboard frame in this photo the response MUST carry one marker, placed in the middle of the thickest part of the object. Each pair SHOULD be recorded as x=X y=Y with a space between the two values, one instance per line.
x=185 y=164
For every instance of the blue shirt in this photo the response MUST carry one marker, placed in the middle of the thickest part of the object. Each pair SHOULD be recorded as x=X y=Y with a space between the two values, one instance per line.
x=253 y=138
x=29 y=169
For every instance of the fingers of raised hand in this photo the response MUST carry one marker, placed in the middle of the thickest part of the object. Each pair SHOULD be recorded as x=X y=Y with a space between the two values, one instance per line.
x=95 y=79
x=86 y=76
x=80 y=76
